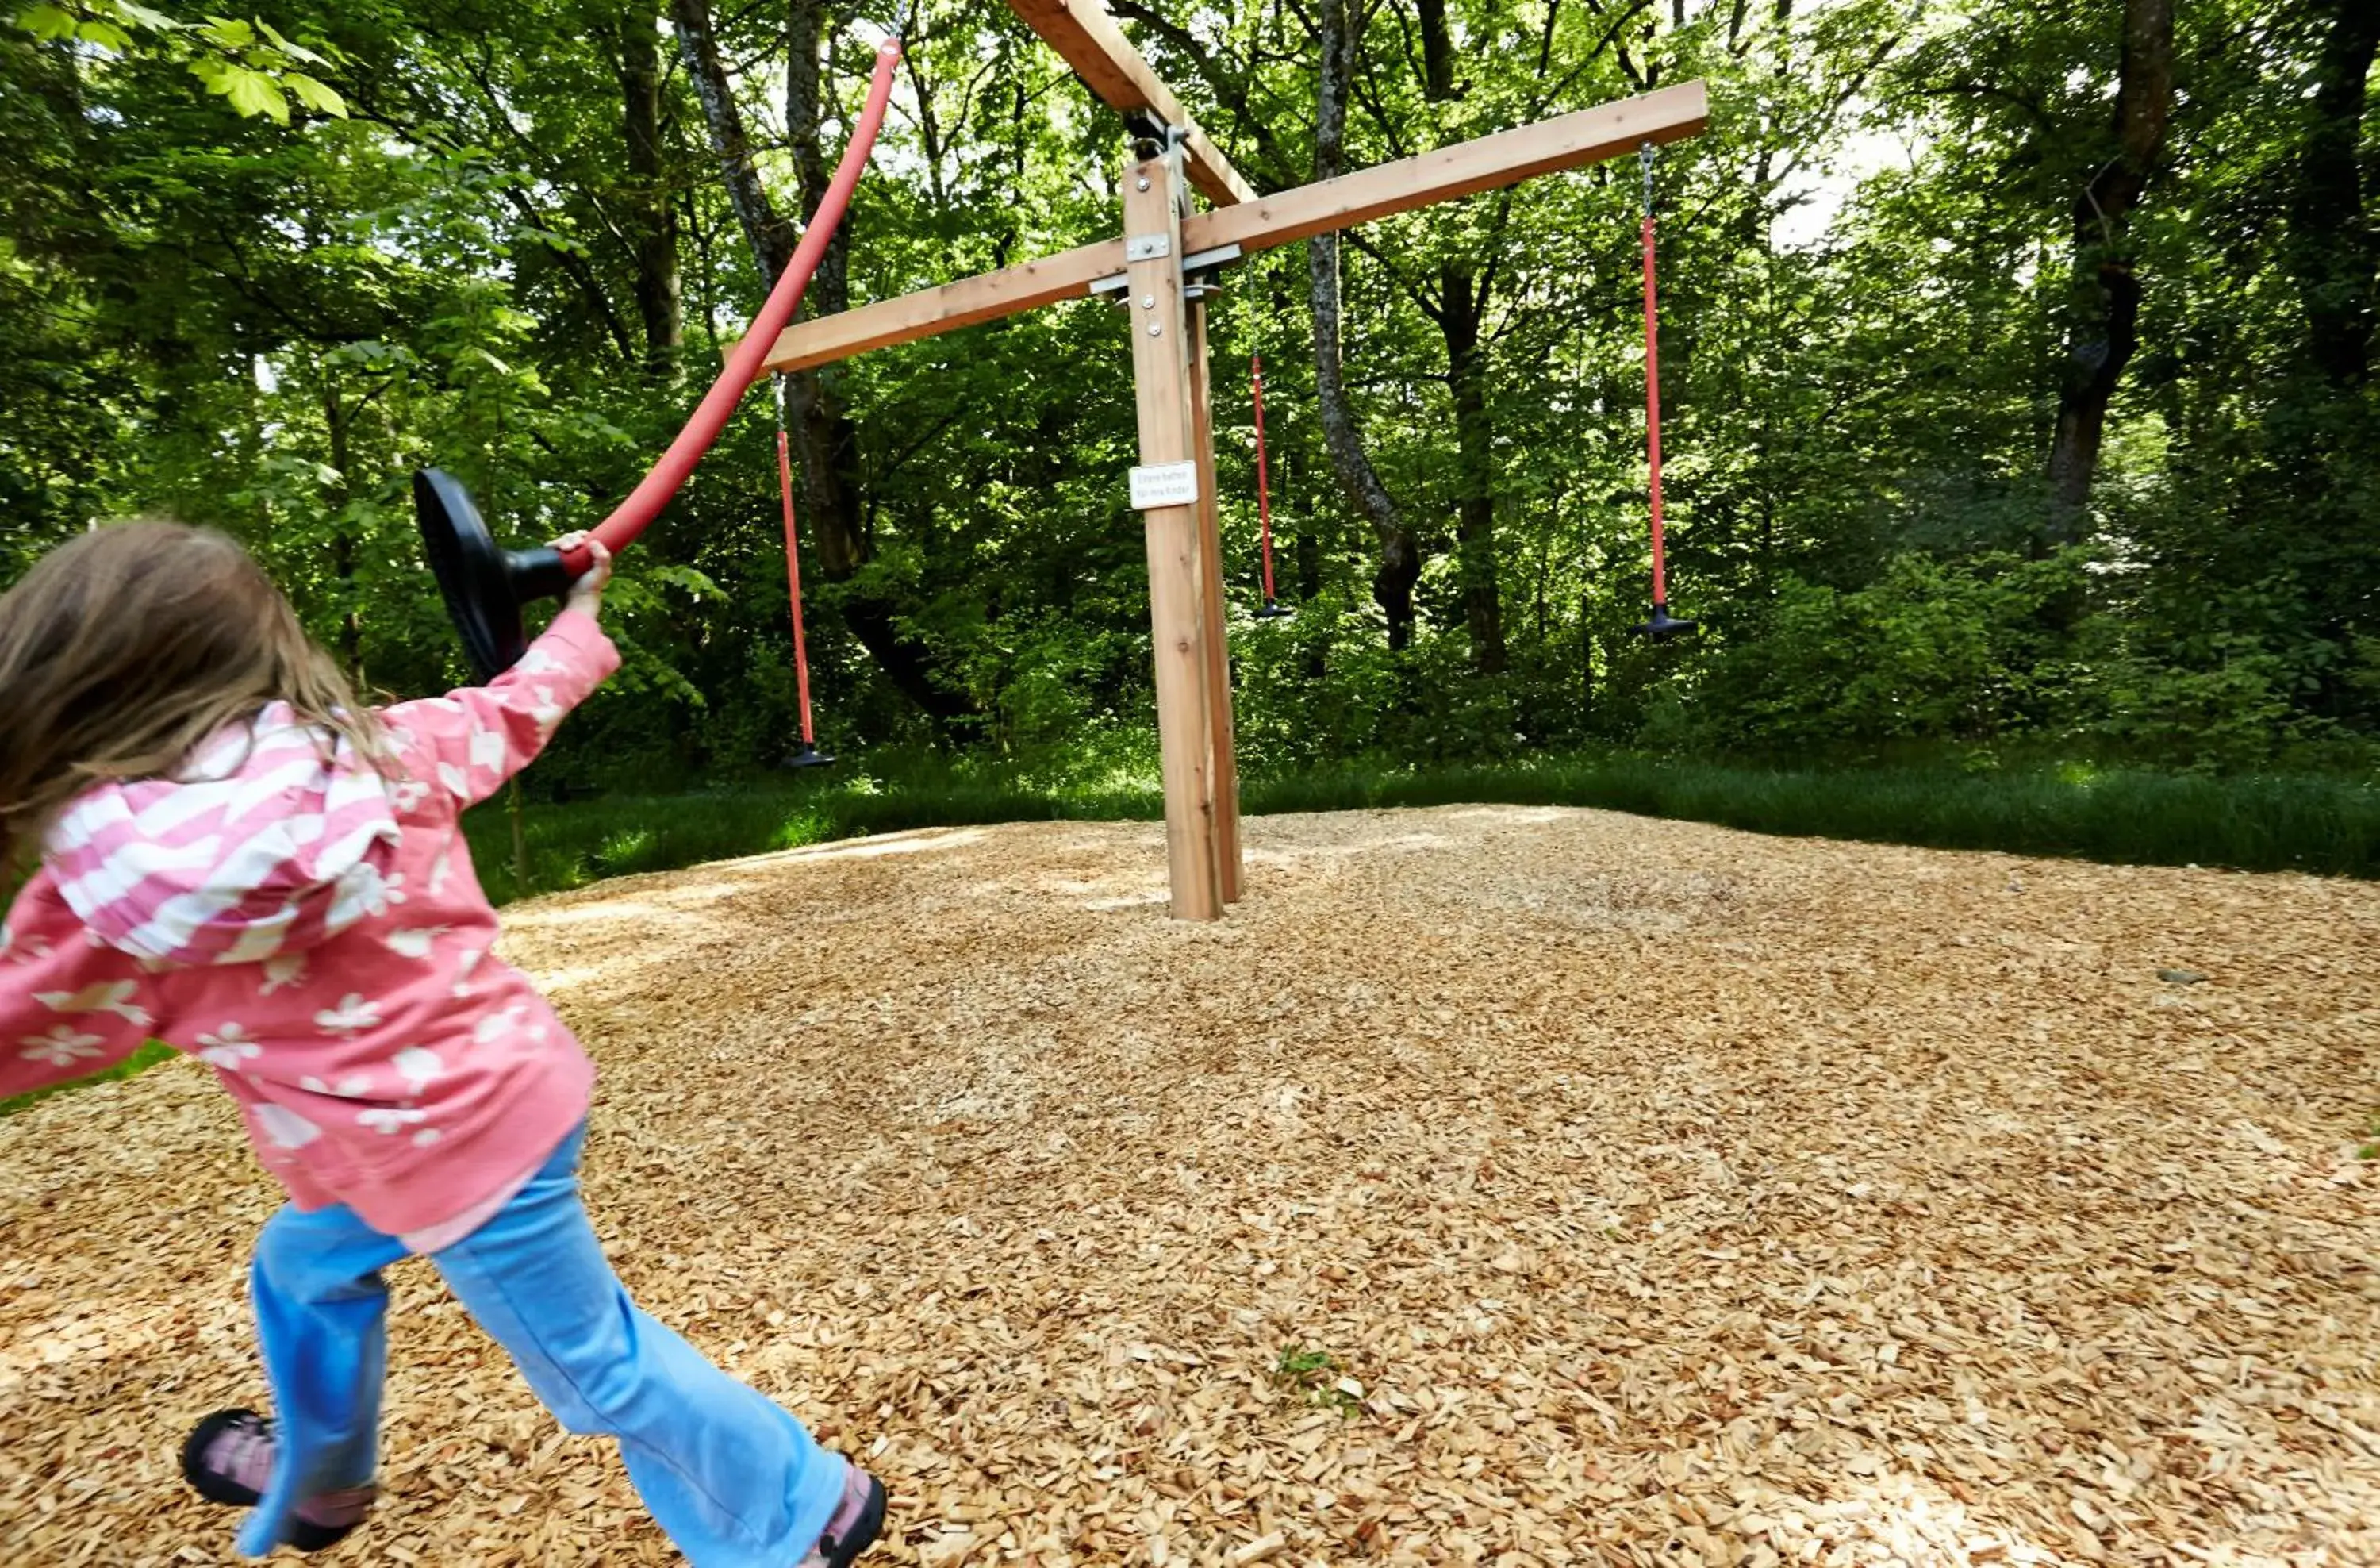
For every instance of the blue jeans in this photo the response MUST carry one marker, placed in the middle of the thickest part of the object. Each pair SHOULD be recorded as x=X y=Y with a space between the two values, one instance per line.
x=731 y=1479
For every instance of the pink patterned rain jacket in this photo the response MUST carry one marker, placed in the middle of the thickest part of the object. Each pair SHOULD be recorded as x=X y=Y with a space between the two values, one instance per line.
x=315 y=934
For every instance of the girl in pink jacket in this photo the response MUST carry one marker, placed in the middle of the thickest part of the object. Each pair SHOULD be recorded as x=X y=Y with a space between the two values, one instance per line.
x=237 y=858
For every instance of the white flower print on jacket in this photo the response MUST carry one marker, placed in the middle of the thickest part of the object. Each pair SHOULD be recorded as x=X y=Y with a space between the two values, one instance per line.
x=351 y=1018
x=228 y=1048
x=62 y=1046
x=114 y=998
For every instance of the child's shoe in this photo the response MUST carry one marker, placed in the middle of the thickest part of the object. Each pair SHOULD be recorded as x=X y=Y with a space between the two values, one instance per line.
x=228 y=1459
x=854 y=1527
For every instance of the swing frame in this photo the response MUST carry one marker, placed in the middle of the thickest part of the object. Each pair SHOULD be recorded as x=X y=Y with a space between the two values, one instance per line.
x=1165 y=247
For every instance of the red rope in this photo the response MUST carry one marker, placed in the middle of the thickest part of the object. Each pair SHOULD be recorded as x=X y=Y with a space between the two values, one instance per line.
x=1264 y=493
x=794 y=586
x=1653 y=413
x=677 y=465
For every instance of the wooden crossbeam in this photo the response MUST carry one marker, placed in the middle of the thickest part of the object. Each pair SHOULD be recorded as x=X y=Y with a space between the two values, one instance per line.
x=1609 y=131
x=1086 y=38
x=1589 y=136
x=1068 y=274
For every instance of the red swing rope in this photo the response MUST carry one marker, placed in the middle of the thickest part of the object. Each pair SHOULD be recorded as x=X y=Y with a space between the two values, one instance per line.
x=1653 y=386
x=1264 y=488
x=677 y=465
x=794 y=570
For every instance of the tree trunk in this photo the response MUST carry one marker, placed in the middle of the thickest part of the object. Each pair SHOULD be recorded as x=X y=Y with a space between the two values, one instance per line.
x=1464 y=301
x=338 y=422
x=1437 y=52
x=653 y=222
x=765 y=230
x=826 y=440
x=1400 y=567
x=2331 y=254
x=824 y=437
x=2106 y=291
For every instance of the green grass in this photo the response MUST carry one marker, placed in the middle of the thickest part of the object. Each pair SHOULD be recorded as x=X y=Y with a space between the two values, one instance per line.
x=570 y=846
x=2330 y=826
x=2325 y=825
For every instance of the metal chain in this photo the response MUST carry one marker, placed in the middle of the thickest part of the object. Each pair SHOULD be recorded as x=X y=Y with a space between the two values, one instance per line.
x=1645 y=161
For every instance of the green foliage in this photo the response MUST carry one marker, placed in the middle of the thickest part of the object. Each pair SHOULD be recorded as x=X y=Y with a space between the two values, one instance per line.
x=1930 y=651
x=264 y=319
x=249 y=64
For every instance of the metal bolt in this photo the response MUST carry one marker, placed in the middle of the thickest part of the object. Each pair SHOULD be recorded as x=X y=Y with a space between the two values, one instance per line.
x=1144 y=182
x=1156 y=330
x=1148 y=301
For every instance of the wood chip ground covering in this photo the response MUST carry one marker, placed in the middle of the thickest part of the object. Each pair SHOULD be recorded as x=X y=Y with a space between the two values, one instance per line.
x=1656 y=1193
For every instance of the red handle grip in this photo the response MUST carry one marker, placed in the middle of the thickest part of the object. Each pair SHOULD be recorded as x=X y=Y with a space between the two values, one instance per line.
x=677 y=465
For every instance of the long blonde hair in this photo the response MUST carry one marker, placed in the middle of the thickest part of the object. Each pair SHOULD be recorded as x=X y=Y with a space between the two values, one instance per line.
x=122 y=650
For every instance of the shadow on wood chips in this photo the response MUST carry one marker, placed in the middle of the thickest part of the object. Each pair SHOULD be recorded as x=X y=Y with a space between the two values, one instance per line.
x=1498 y=1183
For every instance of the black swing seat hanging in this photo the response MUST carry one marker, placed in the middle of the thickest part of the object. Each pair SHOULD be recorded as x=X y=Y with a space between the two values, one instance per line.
x=1662 y=625
x=809 y=756
x=1274 y=611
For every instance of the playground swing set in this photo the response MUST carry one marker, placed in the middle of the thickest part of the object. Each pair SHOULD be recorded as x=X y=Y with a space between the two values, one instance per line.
x=1161 y=269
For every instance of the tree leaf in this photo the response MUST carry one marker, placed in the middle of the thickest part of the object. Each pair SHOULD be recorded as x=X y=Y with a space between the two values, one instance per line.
x=295 y=51
x=47 y=22
x=252 y=93
x=105 y=35
x=314 y=95
x=229 y=32
x=141 y=16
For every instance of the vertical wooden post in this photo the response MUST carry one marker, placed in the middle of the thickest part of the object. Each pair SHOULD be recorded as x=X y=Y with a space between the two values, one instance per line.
x=1161 y=365
x=1223 y=779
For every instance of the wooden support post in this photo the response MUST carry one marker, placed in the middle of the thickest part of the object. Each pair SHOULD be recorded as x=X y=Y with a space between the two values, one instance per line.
x=1224 y=778
x=1153 y=193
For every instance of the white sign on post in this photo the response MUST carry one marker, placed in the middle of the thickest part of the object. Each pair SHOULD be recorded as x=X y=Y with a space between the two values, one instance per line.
x=1165 y=484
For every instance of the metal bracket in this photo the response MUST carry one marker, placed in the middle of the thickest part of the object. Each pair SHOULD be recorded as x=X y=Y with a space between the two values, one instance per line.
x=1150 y=137
x=1147 y=247
x=1196 y=261
x=1142 y=124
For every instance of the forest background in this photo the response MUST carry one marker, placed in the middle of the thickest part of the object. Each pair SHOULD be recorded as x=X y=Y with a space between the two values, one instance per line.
x=2016 y=357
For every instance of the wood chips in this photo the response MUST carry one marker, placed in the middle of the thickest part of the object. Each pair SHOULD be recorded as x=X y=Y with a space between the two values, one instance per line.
x=1612 y=1190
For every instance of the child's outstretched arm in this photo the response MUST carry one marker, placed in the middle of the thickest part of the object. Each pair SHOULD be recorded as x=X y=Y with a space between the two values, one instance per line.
x=69 y=1007
x=469 y=742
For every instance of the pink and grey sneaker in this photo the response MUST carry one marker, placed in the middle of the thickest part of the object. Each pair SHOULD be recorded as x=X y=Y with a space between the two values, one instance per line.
x=228 y=1459
x=856 y=1521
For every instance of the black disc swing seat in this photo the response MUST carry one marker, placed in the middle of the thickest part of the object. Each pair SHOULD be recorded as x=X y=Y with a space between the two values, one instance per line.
x=1662 y=625
x=484 y=584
